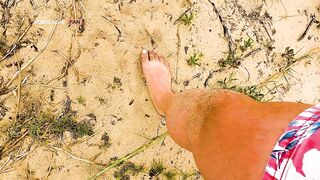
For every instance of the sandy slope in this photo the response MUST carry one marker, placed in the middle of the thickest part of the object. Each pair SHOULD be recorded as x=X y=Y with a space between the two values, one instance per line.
x=107 y=50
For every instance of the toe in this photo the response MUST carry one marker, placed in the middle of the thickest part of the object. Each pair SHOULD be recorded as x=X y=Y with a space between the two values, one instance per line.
x=152 y=55
x=157 y=56
x=144 y=56
x=161 y=58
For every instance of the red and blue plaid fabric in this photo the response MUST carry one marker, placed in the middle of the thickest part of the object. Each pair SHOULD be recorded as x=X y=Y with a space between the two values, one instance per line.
x=297 y=153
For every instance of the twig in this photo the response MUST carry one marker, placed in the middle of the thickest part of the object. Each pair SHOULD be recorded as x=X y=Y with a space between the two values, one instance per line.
x=14 y=159
x=48 y=173
x=23 y=155
x=70 y=64
x=265 y=28
x=284 y=7
x=5 y=163
x=83 y=139
x=226 y=32
x=46 y=86
x=11 y=144
x=185 y=12
x=247 y=72
x=35 y=57
x=74 y=9
x=74 y=157
x=153 y=43
x=13 y=47
x=105 y=17
x=6 y=170
x=18 y=96
x=85 y=9
x=119 y=33
x=115 y=26
x=130 y=155
x=205 y=84
x=112 y=2
x=178 y=52
x=313 y=20
x=253 y=52
x=283 y=72
x=142 y=136
x=33 y=4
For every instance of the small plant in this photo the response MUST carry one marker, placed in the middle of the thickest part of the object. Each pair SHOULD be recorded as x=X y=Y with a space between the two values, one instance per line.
x=187 y=18
x=246 y=44
x=170 y=175
x=308 y=62
x=80 y=129
x=194 y=59
x=67 y=123
x=36 y=126
x=231 y=60
x=251 y=91
x=127 y=169
x=269 y=46
x=156 y=169
x=117 y=81
x=289 y=56
x=14 y=131
x=116 y=84
x=187 y=175
x=106 y=140
x=226 y=82
x=102 y=100
x=81 y=100
x=44 y=124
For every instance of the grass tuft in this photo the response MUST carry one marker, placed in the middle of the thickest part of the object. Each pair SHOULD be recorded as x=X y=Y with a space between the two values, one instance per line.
x=194 y=59
x=170 y=175
x=231 y=60
x=106 y=140
x=251 y=91
x=156 y=169
x=246 y=44
x=289 y=55
x=128 y=169
x=44 y=124
x=187 y=18
x=81 y=100
x=67 y=123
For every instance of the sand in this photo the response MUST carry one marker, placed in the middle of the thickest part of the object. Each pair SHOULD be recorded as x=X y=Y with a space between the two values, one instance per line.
x=106 y=72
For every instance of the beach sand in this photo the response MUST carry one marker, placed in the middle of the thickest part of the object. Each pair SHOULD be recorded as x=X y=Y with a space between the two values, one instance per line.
x=93 y=58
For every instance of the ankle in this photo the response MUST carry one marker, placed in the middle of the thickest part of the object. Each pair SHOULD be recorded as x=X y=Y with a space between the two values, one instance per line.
x=165 y=101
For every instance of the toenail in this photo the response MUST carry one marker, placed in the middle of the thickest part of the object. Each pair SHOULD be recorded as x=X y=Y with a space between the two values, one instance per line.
x=144 y=51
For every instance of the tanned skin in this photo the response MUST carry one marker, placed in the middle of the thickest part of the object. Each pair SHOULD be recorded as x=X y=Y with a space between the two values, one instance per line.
x=230 y=135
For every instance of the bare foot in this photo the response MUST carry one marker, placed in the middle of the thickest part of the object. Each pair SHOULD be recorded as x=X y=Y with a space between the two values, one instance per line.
x=157 y=74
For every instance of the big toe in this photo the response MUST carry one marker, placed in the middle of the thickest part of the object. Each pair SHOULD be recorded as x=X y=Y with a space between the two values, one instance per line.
x=144 y=56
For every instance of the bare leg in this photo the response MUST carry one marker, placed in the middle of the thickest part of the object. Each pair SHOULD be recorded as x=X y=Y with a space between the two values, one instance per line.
x=230 y=135
x=157 y=74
